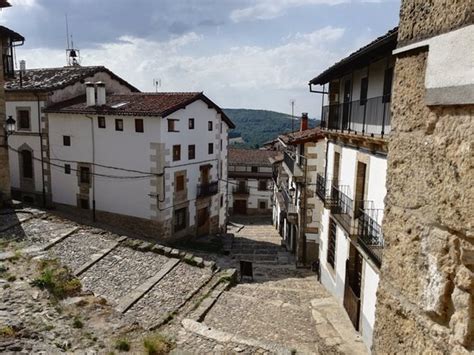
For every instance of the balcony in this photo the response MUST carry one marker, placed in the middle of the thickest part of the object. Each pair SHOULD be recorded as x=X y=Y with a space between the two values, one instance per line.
x=341 y=206
x=321 y=187
x=292 y=211
x=295 y=169
x=370 y=117
x=369 y=234
x=240 y=190
x=208 y=189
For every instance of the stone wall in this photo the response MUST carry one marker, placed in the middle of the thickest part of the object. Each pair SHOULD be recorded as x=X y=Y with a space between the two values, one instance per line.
x=4 y=169
x=425 y=296
x=420 y=19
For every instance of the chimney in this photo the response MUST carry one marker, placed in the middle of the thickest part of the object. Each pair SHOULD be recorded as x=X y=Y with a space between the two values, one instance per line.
x=304 y=122
x=90 y=94
x=22 y=67
x=101 y=96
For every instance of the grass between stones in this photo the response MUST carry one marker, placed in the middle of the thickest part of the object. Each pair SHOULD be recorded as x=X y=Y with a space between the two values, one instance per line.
x=157 y=344
x=57 y=279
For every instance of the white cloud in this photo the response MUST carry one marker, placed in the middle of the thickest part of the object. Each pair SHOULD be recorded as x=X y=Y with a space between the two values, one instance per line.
x=244 y=76
x=269 y=9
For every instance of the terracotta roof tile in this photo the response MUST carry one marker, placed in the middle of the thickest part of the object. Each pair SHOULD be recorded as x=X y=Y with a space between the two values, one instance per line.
x=302 y=136
x=48 y=79
x=251 y=156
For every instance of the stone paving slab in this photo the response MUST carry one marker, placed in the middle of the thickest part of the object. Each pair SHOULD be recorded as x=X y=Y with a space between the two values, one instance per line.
x=121 y=271
x=169 y=294
x=35 y=231
x=79 y=248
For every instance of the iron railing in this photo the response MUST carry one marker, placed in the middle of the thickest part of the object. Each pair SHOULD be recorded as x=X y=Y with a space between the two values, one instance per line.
x=321 y=187
x=241 y=190
x=289 y=161
x=340 y=203
x=208 y=189
x=369 y=233
x=369 y=117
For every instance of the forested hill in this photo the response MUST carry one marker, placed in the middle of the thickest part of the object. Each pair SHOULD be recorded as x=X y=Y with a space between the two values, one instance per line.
x=259 y=126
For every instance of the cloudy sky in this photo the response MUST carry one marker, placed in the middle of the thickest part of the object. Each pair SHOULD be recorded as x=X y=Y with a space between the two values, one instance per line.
x=241 y=53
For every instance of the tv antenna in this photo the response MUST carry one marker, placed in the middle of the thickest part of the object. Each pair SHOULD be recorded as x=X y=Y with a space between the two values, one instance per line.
x=157 y=84
x=292 y=102
x=73 y=55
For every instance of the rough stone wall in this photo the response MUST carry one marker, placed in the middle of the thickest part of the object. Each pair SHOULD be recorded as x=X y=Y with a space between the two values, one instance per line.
x=4 y=170
x=425 y=297
x=420 y=19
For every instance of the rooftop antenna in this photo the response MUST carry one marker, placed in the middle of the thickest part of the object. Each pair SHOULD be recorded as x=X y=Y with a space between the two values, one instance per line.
x=292 y=102
x=157 y=84
x=73 y=55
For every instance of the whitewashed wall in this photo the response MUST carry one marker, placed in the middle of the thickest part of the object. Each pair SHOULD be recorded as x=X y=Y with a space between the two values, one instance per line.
x=369 y=297
x=255 y=195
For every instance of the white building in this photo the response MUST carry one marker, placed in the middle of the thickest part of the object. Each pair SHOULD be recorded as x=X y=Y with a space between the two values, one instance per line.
x=296 y=209
x=154 y=163
x=352 y=187
x=250 y=181
x=27 y=94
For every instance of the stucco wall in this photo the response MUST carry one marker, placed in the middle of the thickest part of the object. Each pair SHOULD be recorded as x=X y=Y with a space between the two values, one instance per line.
x=425 y=298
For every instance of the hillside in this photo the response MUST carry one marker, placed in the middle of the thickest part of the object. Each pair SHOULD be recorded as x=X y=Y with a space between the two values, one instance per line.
x=259 y=126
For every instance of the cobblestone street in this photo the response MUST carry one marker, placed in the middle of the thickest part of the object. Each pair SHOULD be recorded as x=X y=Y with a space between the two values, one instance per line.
x=283 y=305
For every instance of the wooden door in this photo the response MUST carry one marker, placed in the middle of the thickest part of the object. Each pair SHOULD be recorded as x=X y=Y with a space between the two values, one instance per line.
x=204 y=175
x=360 y=188
x=352 y=287
x=203 y=221
x=240 y=207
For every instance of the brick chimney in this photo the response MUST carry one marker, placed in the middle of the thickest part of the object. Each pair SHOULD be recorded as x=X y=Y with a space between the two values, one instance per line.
x=304 y=122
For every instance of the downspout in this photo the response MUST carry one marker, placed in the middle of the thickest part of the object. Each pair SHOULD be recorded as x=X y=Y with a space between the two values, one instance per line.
x=40 y=131
x=93 y=168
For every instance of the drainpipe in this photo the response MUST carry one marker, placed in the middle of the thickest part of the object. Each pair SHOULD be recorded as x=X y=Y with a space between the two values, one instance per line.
x=40 y=131
x=93 y=168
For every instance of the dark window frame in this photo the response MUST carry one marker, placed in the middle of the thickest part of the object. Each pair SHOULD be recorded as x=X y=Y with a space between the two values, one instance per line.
x=332 y=240
x=22 y=119
x=180 y=219
x=191 y=123
x=191 y=149
x=254 y=169
x=84 y=175
x=180 y=183
x=101 y=122
x=119 y=125
x=139 y=125
x=176 y=152
x=67 y=169
x=264 y=203
x=209 y=126
x=27 y=164
x=67 y=141
x=210 y=148
x=262 y=187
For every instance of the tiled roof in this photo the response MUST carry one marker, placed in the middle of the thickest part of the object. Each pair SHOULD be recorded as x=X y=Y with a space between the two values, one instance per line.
x=297 y=137
x=251 y=156
x=137 y=104
x=4 y=3
x=48 y=79
x=383 y=45
x=14 y=36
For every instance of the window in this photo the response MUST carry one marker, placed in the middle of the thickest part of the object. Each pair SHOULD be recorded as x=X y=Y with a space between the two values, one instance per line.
x=84 y=175
x=67 y=169
x=262 y=185
x=27 y=164
x=101 y=121
x=84 y=203
x=172 y=125
x=262 y=205
x=191 y=123
x=119 y=124
x=179 y=183
x=222 y=201
x=364 y=87
x=331 y=256
x=179 y=219
x=254 y=169
x=24 y=119
x=139 y=125
x=176 y=152
x=209 y=125
x=387 y=85
x=210 y=148
x=67 y=141
x=191 y=152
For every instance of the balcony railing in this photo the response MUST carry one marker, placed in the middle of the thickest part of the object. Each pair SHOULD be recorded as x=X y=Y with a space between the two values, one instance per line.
x=241 y=190
x=369 y=233
x=339 y=201
x=368 y=117
x=208 y=189
x=295 y=167
x=321 y=187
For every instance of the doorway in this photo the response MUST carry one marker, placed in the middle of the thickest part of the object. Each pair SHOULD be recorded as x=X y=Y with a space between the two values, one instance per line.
x=240 y=207
x=352 y=287
x=203 y=221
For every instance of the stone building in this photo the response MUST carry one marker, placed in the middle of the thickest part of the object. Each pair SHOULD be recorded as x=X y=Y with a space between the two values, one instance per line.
x=351 y=185
x=296 y=208
x=250 y=177
x=8 y=40
x=153 y=163
x=425 y=297
x=27 y=95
